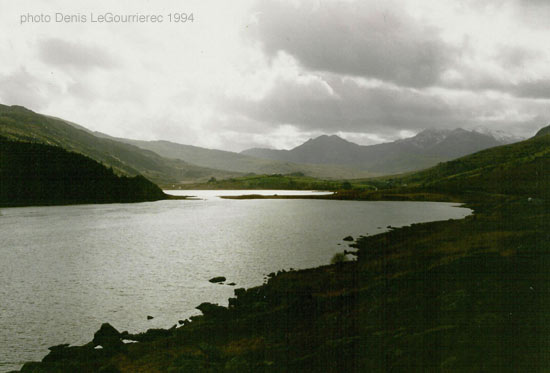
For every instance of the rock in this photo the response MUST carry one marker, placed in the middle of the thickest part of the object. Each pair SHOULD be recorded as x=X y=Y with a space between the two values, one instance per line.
x=217 y=279
x=107 y=336
x=210 y=309
x=232 y=284
x=348 y=238
x=150 y=317
x=239 y=292
x=180 y=322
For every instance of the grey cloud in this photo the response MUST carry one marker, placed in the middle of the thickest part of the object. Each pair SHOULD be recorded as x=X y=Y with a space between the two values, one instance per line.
x=22 y=88
x=58 y=52
x=369 y=39
x=537 y=89
x=517 y=56
x=385 y=110
x=352 y=108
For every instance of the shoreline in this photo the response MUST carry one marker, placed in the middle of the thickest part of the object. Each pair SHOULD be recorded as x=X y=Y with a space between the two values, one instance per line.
x=236 y=339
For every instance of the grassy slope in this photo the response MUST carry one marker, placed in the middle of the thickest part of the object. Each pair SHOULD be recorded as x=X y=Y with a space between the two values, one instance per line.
x=454 y=296
x=18 y=123
x=38 y=174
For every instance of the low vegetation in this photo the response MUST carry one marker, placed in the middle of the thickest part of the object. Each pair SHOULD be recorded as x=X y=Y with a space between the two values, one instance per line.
x=294 y=181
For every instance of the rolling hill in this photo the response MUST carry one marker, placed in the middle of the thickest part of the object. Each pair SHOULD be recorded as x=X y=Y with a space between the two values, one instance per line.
x=235 y=162
x=19 y=123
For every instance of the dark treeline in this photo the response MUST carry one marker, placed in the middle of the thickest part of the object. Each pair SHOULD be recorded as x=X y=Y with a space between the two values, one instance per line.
x=38 y=174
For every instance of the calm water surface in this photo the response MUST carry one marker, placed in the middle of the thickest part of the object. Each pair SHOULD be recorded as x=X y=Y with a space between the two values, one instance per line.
x=64 y=270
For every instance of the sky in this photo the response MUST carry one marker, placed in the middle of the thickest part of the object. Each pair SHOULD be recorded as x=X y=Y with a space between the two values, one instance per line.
x=241 y=74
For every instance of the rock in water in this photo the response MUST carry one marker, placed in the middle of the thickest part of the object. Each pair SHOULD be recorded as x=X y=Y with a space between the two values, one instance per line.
x=348 y=238
x=217 y=279
x=149 y=317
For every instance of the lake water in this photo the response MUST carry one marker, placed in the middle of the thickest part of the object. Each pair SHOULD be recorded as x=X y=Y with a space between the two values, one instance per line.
x=64 y=270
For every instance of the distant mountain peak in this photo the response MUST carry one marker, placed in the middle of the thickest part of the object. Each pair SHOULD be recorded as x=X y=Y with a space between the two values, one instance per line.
x=499 y=135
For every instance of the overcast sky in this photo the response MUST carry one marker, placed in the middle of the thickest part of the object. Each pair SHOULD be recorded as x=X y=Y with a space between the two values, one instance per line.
x=275 y=73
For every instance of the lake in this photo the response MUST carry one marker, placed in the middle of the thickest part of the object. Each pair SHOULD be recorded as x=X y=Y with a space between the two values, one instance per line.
x=64 y=270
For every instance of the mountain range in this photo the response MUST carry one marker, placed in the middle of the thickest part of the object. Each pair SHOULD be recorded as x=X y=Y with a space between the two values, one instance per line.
x=423 y=150
x=167 y=163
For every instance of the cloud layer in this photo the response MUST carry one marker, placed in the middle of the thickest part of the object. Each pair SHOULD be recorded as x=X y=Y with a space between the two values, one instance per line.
x=274 y=73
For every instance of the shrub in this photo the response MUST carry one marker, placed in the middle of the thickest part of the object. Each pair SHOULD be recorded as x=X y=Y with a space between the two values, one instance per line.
x=339 y=258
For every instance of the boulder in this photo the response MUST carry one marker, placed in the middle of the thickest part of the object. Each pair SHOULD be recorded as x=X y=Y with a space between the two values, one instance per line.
x=217 y=279
x=348 y=238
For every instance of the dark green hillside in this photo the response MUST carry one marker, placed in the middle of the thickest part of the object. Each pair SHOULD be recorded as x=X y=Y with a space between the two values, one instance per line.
x=36 y=174
x=517 y=169
x=543 y=131
x=19 y=123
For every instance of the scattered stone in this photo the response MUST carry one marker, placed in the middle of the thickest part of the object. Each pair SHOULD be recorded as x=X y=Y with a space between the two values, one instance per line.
x=217 y=279
x=149 y=317
x=126 y=341
x=348 y=238
x=98 y=347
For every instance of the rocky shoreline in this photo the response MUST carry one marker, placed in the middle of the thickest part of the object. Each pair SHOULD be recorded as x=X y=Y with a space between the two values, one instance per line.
x=455 y=295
